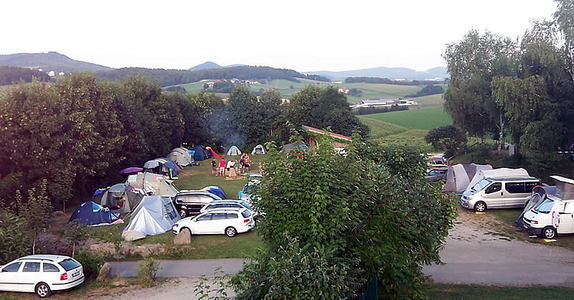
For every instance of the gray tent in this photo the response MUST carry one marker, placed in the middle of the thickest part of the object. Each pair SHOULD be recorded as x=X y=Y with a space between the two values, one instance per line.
x=152 y=184
x=259 y=149
x=180 y=156
x=233 y=150
x=154 y=215
x=121 y=198
x=458 y=177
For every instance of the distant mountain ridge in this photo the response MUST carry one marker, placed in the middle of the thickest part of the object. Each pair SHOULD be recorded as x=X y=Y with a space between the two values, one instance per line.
x=205 y=65
x=386 y=72
x=51 y=61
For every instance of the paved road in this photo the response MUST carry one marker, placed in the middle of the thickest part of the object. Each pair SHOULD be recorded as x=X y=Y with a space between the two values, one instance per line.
x=181 y=268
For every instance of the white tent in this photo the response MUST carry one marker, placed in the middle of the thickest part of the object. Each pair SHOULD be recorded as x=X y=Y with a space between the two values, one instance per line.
x=154 y=215
x=180 y=156
x=233 y=151
x=496 y=173
x=259 y=149
x=151 y=183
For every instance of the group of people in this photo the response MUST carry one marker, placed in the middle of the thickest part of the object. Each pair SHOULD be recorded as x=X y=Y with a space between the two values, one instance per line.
x=231 y=168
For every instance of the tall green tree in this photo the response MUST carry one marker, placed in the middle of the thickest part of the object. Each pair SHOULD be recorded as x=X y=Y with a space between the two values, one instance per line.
x=368 y=213
x=322 y=108
x=472 y=64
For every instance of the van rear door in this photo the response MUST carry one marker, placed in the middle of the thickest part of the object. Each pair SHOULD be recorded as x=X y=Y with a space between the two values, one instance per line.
x=566 y=217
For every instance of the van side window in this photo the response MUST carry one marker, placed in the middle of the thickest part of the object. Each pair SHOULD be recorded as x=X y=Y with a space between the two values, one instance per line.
x=529 y=186
x=495 y=187
x=515 y=187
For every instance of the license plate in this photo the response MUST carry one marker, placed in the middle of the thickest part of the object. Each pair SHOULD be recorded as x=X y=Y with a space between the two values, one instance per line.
x=75 y=274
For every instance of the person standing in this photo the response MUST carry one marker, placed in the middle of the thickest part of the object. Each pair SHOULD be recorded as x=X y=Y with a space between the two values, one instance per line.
x=221 y=167
x=213 y=167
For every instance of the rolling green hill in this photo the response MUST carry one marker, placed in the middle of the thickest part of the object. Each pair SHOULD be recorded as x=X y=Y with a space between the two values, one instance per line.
x=406 y=127
x=368 y=90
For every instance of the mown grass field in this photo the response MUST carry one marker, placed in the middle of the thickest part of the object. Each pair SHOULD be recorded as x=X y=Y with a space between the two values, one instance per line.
x=407 y=127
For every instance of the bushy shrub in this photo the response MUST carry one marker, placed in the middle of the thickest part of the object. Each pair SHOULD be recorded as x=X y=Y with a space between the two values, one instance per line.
x=14 y=242
x=447 y=138
x=91 y=263
x=147 y=271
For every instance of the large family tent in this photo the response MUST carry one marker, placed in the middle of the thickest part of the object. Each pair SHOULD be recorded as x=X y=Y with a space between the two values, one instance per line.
x=200 y=153
x=458 y=177
x=294 y=146
x=496 y=173
x=162 y=166
x=154 y=215
x=180 y=156
x=539 y=194
x=233 y=150
x=152 y=184
x=259 y=149
x=91 y=214
x=119 y=197
x=213 y=153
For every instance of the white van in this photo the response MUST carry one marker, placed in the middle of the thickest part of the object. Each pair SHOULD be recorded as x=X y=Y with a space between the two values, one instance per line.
x=554 y=215
x=491 y=193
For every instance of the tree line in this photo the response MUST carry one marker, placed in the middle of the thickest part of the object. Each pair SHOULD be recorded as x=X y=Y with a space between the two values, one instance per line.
x=520 y=89
x=77 y=133
x=173 y=77
x=388 y=81
x=12 y=75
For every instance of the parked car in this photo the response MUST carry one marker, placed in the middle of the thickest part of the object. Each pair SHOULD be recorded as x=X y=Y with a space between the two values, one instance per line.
x=255 y=177
x=555 y=214
x=189 y=203
x=237 y=204
x=226 y=221
x=41 y=274
x=499 y=193
x=435 y=174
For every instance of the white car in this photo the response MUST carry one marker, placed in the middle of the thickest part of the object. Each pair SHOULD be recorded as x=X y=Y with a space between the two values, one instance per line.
x=221 y=204
x=218 y=221
x=41 y=274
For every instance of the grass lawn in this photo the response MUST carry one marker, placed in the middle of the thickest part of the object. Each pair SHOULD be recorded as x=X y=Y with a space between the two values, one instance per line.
x=447 y=292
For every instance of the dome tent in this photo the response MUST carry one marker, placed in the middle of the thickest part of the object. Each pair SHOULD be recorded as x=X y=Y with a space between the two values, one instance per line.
x=92 y=214
x=259 y=149
x=233 y=150
x=155 y=215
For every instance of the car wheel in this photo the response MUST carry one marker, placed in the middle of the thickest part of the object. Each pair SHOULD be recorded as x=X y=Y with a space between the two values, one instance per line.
x=182 y=213
x=43 y=290
x=480 y=206
x=549 y=232
x=230 y=231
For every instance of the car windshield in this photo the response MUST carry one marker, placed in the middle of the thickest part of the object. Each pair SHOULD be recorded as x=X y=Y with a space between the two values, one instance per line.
x=69 y=264
x=479 y=186
x=544 y=207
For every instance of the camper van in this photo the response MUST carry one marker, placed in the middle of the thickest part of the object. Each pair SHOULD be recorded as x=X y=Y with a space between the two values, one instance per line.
x=491 y=193
x=555 y=214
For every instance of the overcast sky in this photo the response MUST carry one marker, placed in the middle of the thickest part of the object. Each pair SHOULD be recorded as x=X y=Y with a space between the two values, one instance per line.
x=305 y=35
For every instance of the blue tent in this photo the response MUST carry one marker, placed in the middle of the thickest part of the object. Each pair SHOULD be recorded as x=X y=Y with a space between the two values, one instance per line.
x=216 y=190
x=91 y=213
x=200 y=153
x=162 y=166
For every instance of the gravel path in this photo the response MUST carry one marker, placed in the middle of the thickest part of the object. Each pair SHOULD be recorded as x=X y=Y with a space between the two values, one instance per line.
x=473 y=254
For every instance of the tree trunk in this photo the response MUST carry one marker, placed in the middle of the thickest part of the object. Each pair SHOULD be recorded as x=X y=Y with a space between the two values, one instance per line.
x=34 y=244
x=501 y=134
x=73 y=249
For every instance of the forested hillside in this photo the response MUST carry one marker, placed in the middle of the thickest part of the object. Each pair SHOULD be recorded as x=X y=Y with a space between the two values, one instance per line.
x=11 y=75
